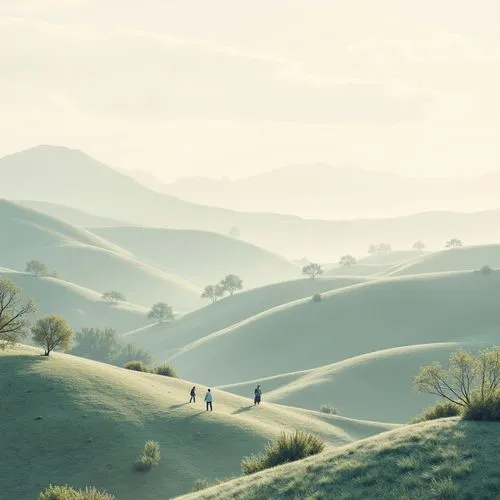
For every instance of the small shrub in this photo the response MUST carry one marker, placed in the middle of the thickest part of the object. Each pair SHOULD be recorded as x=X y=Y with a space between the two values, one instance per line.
x=138 y=366
x=317 y=297
x=67 y=493
x=166 y=370
x=486 y=408
x=286 y=448
x=201 y=484
x=329 y=409
x=150 y=456
x=444 y=409
x=486 y=270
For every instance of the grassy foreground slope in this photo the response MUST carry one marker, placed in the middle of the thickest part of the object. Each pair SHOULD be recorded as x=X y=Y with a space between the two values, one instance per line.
x=95 y=419
x=165 y=340
x=456 y=259
x=373 y=386
x=200 y=256
x=80 y=306
x=86 y=259
x=446 y=459
x=348 y=322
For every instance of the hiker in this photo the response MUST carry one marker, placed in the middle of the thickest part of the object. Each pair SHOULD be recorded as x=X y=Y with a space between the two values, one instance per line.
x=258 y=394
x=193 y=395
x=208 y=399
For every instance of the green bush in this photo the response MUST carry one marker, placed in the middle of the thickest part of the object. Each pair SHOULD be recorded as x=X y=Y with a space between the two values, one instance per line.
x=286 y=448
x=166 y=370
x=317 y=297
x=67 y=493
x=138 y=366
x=329 y=409
x=486 y=408
x=150 y=456
x=444 y=409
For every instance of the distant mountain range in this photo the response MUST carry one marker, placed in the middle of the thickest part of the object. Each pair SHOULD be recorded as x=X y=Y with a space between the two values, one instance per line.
x=57 y=175
x=326 y=192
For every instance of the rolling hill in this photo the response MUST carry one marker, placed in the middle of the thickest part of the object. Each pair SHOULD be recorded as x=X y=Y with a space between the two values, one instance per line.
x=371 y=316
x=80 y=306
x=165 y=340
x=68 y=420
x=456 y=259
x=202 y=257
x=86 y=184
x=444 y=459
x=86 y=259
x=364 y=386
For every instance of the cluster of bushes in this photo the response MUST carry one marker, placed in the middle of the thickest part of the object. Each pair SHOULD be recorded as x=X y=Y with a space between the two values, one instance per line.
x=68 y=493
x=150 y=456
x=164 y=369
x=230 y=284
x=329 y=409
x=470 y=387
x=106 y=346
x=286 y=448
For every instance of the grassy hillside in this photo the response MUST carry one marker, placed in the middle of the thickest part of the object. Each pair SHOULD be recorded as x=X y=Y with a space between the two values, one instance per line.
x=164 y=340
x=444 y=459
x=86 y=259
x=456 y=259
x=348 y=322
x=71 y=215
x=202 y=257
x=80 y=306
x=68 y=420
x=374 y=386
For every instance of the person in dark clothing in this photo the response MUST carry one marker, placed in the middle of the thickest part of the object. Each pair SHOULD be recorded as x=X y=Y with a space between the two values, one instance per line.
x=208 y=399
x=257 y=395
x=193 y=395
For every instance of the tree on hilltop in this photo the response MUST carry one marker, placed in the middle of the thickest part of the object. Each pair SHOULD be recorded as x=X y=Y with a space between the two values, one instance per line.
x=418 y=245
x=113 y=297
x=52 y=332
x=380 y=248
x=161 y=312
x=453 y=243
x=347 y=261
x=213 y=292
x=312 y=270
x=15 y=314
x=231 y=283
x=37 y=268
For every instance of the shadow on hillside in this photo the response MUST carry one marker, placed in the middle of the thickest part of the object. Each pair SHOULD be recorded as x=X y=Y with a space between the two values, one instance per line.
x=242 y=410
x=180 y=405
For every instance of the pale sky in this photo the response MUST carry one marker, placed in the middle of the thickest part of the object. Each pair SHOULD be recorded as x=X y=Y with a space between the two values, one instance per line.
x=233 y=88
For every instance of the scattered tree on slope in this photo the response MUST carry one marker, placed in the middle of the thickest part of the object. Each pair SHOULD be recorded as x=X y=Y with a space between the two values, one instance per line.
x=15 y=315
x=52 y=332
x=418 y=245
x=113 y=297
x=231 y=283
x=347 y=261
x=380 y=248
x=213 y=292
x=37 y=268
x=312 y=270
x=161 y=312
x=453 y=243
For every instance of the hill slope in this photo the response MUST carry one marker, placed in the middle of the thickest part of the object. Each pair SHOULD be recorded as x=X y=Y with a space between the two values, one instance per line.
x=86 y=259
x=444 y=459
x=202 y=257
x=95 y=419
x=348 y=322
x=80 y=306
x=456 y=259
x=165 y=340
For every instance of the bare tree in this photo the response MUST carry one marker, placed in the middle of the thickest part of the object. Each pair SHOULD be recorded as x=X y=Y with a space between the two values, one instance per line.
x=312 y=270
x=15 y=314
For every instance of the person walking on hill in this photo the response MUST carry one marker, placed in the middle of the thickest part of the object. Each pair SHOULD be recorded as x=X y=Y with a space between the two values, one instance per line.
x=257 y=395
x=208 y=399
x=193 y=395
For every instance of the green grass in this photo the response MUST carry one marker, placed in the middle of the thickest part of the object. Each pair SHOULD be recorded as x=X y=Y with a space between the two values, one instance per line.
x=68 y=420
x=447 y=459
